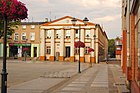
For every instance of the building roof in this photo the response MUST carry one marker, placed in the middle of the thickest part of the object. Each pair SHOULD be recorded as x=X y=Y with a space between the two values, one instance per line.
x=32 y=23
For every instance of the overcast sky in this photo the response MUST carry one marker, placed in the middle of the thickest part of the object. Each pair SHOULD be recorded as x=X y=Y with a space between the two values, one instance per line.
x=107 y=13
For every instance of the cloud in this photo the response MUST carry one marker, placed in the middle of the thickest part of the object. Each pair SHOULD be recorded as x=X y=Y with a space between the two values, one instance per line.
x=107 y=18
x=106 y=12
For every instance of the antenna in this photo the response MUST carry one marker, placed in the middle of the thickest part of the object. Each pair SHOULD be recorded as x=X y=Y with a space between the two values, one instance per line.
x=50 y=16
x=32 y=19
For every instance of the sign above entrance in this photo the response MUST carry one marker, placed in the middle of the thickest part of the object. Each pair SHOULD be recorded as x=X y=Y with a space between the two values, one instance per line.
x=16 y=44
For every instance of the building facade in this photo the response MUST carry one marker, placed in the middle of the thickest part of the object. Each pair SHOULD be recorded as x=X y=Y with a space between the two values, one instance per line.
x=118 y=44
x=58 y=37
x=26 y=38
x=131 y=49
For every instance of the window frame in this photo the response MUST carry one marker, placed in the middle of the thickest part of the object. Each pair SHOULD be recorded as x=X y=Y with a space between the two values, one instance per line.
x=16 y=36
x=31 y=34
x=48 y=49
x=23 y=35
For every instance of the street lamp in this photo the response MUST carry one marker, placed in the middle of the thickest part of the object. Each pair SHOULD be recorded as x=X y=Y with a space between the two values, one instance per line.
x=4 y=70
x=25 y=50
x=74 y=20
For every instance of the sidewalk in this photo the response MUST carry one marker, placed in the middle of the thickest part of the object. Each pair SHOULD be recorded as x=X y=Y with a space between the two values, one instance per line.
x=101 y=78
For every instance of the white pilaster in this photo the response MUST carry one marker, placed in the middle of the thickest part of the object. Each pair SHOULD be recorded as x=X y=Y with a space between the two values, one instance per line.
x=92 y=32
x=62 y=42
x=82 y=38
x=42 y=44
x=52 y=42
x=72 y=43
x=96 y=45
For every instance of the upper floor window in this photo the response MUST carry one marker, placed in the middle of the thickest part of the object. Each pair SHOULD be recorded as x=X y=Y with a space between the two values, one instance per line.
x=67 y=33
x=23 y=36
x=48 y=34
x=87 y=34
x=23 y=26
x=118 y=48
x=32 y=26
x=16 y=36
x=77 y=33
x=32 y=36
x=58 y=33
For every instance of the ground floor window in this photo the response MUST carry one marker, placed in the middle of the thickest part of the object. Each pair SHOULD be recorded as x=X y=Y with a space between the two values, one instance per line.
x=48 y=49
x=86 y=50
x=76 y=50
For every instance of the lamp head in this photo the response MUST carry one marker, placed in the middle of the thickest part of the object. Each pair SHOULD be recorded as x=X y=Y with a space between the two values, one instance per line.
x=85 y=20
x=74 y=20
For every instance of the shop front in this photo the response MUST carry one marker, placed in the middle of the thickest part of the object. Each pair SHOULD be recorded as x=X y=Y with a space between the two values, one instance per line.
x=18 y=49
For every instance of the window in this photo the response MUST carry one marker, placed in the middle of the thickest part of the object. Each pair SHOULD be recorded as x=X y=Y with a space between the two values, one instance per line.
x=32 y=36
x=49 y=34
x=23 y=26
x=16 y=37
x=77 y=33
x=76 y=50
x=117 y=42
x=32 y=26
x=87 y=35
x=48 y=50
x=86 y=50
x=58 y=33
x=23 y=36
x=118 y=48
x=67 y=33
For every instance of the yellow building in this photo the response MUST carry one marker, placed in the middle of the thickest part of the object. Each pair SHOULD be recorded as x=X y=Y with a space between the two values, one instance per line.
x=58 y=37
x=26 y=35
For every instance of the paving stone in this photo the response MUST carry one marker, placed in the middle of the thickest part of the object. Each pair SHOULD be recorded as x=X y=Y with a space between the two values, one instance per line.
x=72 y=88
x=77 y=84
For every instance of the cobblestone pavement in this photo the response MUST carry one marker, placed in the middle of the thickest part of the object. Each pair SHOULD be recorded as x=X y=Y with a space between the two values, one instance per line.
x=62 y=77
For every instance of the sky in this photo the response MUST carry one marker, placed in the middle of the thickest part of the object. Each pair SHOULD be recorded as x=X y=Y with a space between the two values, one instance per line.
x=107 y=13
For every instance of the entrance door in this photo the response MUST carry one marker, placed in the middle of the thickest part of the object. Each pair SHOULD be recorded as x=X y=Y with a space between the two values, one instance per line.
x=13 y=51
x=67 y=51
x=35 y=51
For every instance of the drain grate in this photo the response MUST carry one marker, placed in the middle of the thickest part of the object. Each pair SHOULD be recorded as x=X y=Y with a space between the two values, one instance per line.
x=119 y=84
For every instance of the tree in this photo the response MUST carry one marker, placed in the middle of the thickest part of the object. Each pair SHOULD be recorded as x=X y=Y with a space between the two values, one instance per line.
x=111 y=48
x=13 y=12
x=10 y=28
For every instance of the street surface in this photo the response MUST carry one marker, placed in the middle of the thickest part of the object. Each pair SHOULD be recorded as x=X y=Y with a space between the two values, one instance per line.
x=62 y=77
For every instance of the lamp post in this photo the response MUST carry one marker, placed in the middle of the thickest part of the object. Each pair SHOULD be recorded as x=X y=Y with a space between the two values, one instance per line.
x=25 y=53
x=4 y=71
x=74 y=20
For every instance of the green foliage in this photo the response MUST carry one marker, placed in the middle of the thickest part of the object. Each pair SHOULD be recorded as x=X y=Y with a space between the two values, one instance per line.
x=111 y=48
x=10 y=27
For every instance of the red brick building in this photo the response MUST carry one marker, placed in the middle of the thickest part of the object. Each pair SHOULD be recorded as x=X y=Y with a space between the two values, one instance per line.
x=131 y=43
x=118 y=44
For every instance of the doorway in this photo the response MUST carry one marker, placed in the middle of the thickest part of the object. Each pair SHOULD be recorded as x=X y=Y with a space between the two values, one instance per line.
x=35 y=51
x=68 y=51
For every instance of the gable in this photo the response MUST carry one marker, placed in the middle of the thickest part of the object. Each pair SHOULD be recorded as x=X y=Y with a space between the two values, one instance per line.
x=64 y=21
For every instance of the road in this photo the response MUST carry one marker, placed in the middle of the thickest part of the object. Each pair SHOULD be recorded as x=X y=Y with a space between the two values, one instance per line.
x=21 y=71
